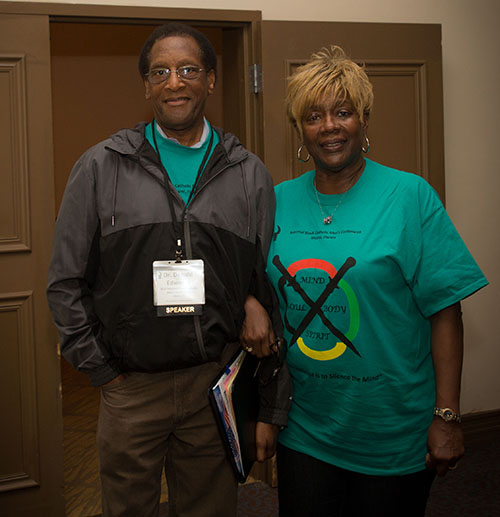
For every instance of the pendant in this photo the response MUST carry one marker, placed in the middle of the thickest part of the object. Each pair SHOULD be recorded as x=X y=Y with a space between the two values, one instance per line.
x=327 y=219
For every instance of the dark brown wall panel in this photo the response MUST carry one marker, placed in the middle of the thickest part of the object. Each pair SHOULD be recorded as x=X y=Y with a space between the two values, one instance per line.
x=19 y=467
x=14 y=218
x=31 y=430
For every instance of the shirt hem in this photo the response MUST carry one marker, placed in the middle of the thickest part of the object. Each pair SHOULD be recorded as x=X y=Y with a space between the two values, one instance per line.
x=353 y=467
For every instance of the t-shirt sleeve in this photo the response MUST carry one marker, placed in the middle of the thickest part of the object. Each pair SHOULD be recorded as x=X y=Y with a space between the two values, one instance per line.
x=445 y=271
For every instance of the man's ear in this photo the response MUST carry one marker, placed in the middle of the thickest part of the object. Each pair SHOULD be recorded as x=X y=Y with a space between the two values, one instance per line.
x=147 y=88
x=211 y=81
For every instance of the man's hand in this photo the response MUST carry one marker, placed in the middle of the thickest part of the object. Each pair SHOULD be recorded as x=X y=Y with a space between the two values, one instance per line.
x=266 y=437
x=257 y=333
x=445 y=443
x=116 y=380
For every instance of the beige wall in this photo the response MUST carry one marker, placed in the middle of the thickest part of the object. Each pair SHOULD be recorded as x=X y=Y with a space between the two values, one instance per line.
x=471 y=39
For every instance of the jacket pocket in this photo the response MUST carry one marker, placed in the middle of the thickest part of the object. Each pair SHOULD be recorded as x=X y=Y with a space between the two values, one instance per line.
x=119 y=344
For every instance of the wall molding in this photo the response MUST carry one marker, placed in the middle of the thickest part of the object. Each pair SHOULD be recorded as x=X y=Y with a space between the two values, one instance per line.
x=417 y=71
x=20 y=406
x=14 y=233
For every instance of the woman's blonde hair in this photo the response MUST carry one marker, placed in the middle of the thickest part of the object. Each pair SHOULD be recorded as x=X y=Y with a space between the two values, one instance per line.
x=329 y=72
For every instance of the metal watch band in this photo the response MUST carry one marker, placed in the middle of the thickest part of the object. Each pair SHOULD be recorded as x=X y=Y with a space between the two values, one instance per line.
x=447 y=414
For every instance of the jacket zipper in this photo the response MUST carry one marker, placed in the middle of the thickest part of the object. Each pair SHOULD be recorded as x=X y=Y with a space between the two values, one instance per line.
x=196 y=319
x=187 y=238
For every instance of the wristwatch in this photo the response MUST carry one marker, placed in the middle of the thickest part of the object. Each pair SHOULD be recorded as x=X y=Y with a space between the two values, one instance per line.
x=447 y=414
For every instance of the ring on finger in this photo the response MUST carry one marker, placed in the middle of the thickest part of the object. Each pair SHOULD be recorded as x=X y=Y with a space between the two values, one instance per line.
x=249 y=349
x=453 y=467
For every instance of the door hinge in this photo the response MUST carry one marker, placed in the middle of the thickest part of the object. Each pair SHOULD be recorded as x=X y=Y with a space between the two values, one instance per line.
x=255 y=78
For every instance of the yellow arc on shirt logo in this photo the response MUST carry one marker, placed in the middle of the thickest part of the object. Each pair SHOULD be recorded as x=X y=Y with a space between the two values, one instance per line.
x=322 y=355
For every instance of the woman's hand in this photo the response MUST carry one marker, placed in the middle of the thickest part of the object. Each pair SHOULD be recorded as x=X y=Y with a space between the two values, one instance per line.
x=445 y=443
x=257 y=333
x=266 y=437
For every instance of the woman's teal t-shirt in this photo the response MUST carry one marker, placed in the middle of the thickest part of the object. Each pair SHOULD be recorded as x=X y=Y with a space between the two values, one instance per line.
x=355 y=297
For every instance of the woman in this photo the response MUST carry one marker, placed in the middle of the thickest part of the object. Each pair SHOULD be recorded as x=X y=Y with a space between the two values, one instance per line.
x=370 y=272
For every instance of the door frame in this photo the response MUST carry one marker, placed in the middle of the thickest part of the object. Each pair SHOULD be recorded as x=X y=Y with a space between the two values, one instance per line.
x=243 y=111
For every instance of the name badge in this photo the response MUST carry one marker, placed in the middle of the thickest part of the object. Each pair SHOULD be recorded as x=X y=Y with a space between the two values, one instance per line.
x=178 y=287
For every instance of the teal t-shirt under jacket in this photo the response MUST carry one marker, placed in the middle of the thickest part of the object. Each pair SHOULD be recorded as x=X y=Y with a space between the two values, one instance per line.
x=355 y=297
x=181 y=162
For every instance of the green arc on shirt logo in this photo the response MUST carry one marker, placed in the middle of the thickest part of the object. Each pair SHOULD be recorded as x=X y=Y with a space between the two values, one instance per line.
x=340 y=347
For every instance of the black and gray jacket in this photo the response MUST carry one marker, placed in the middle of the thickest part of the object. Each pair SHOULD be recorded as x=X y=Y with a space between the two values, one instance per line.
x=115 y=221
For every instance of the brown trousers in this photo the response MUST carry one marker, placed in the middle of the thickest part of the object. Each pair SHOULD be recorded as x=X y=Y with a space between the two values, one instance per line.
x=151 y=422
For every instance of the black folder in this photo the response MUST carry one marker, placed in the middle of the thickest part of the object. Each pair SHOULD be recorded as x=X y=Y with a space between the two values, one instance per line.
x=240 y=401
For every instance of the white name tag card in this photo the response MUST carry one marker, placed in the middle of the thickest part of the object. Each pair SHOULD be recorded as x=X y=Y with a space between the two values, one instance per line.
x=178 y=287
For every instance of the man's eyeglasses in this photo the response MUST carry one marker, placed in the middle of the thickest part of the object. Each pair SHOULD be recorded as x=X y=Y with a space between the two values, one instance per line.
x=184 y=73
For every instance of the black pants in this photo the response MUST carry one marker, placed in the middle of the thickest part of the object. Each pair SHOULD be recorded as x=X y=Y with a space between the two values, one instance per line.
x=310 y=487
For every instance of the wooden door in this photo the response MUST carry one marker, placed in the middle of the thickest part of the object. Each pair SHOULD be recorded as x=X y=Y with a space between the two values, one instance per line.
x=403 y=62
x=30 y=437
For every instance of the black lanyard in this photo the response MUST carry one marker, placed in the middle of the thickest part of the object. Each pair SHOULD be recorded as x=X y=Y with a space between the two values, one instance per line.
x=179 y=251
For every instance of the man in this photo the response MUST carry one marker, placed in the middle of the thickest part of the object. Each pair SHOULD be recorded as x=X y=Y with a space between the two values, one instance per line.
x=159 y=248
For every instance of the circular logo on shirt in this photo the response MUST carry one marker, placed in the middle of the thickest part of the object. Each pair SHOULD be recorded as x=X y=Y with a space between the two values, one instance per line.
x=340 y=347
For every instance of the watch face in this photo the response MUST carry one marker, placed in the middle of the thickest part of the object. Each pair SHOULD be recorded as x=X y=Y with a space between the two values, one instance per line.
x=447 y=414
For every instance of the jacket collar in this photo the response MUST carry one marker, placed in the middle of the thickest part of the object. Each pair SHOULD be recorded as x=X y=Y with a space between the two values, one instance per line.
x=133 y=142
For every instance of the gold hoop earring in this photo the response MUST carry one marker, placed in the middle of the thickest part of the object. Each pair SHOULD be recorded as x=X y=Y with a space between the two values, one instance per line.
x=367 y=146
x=299 y=157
